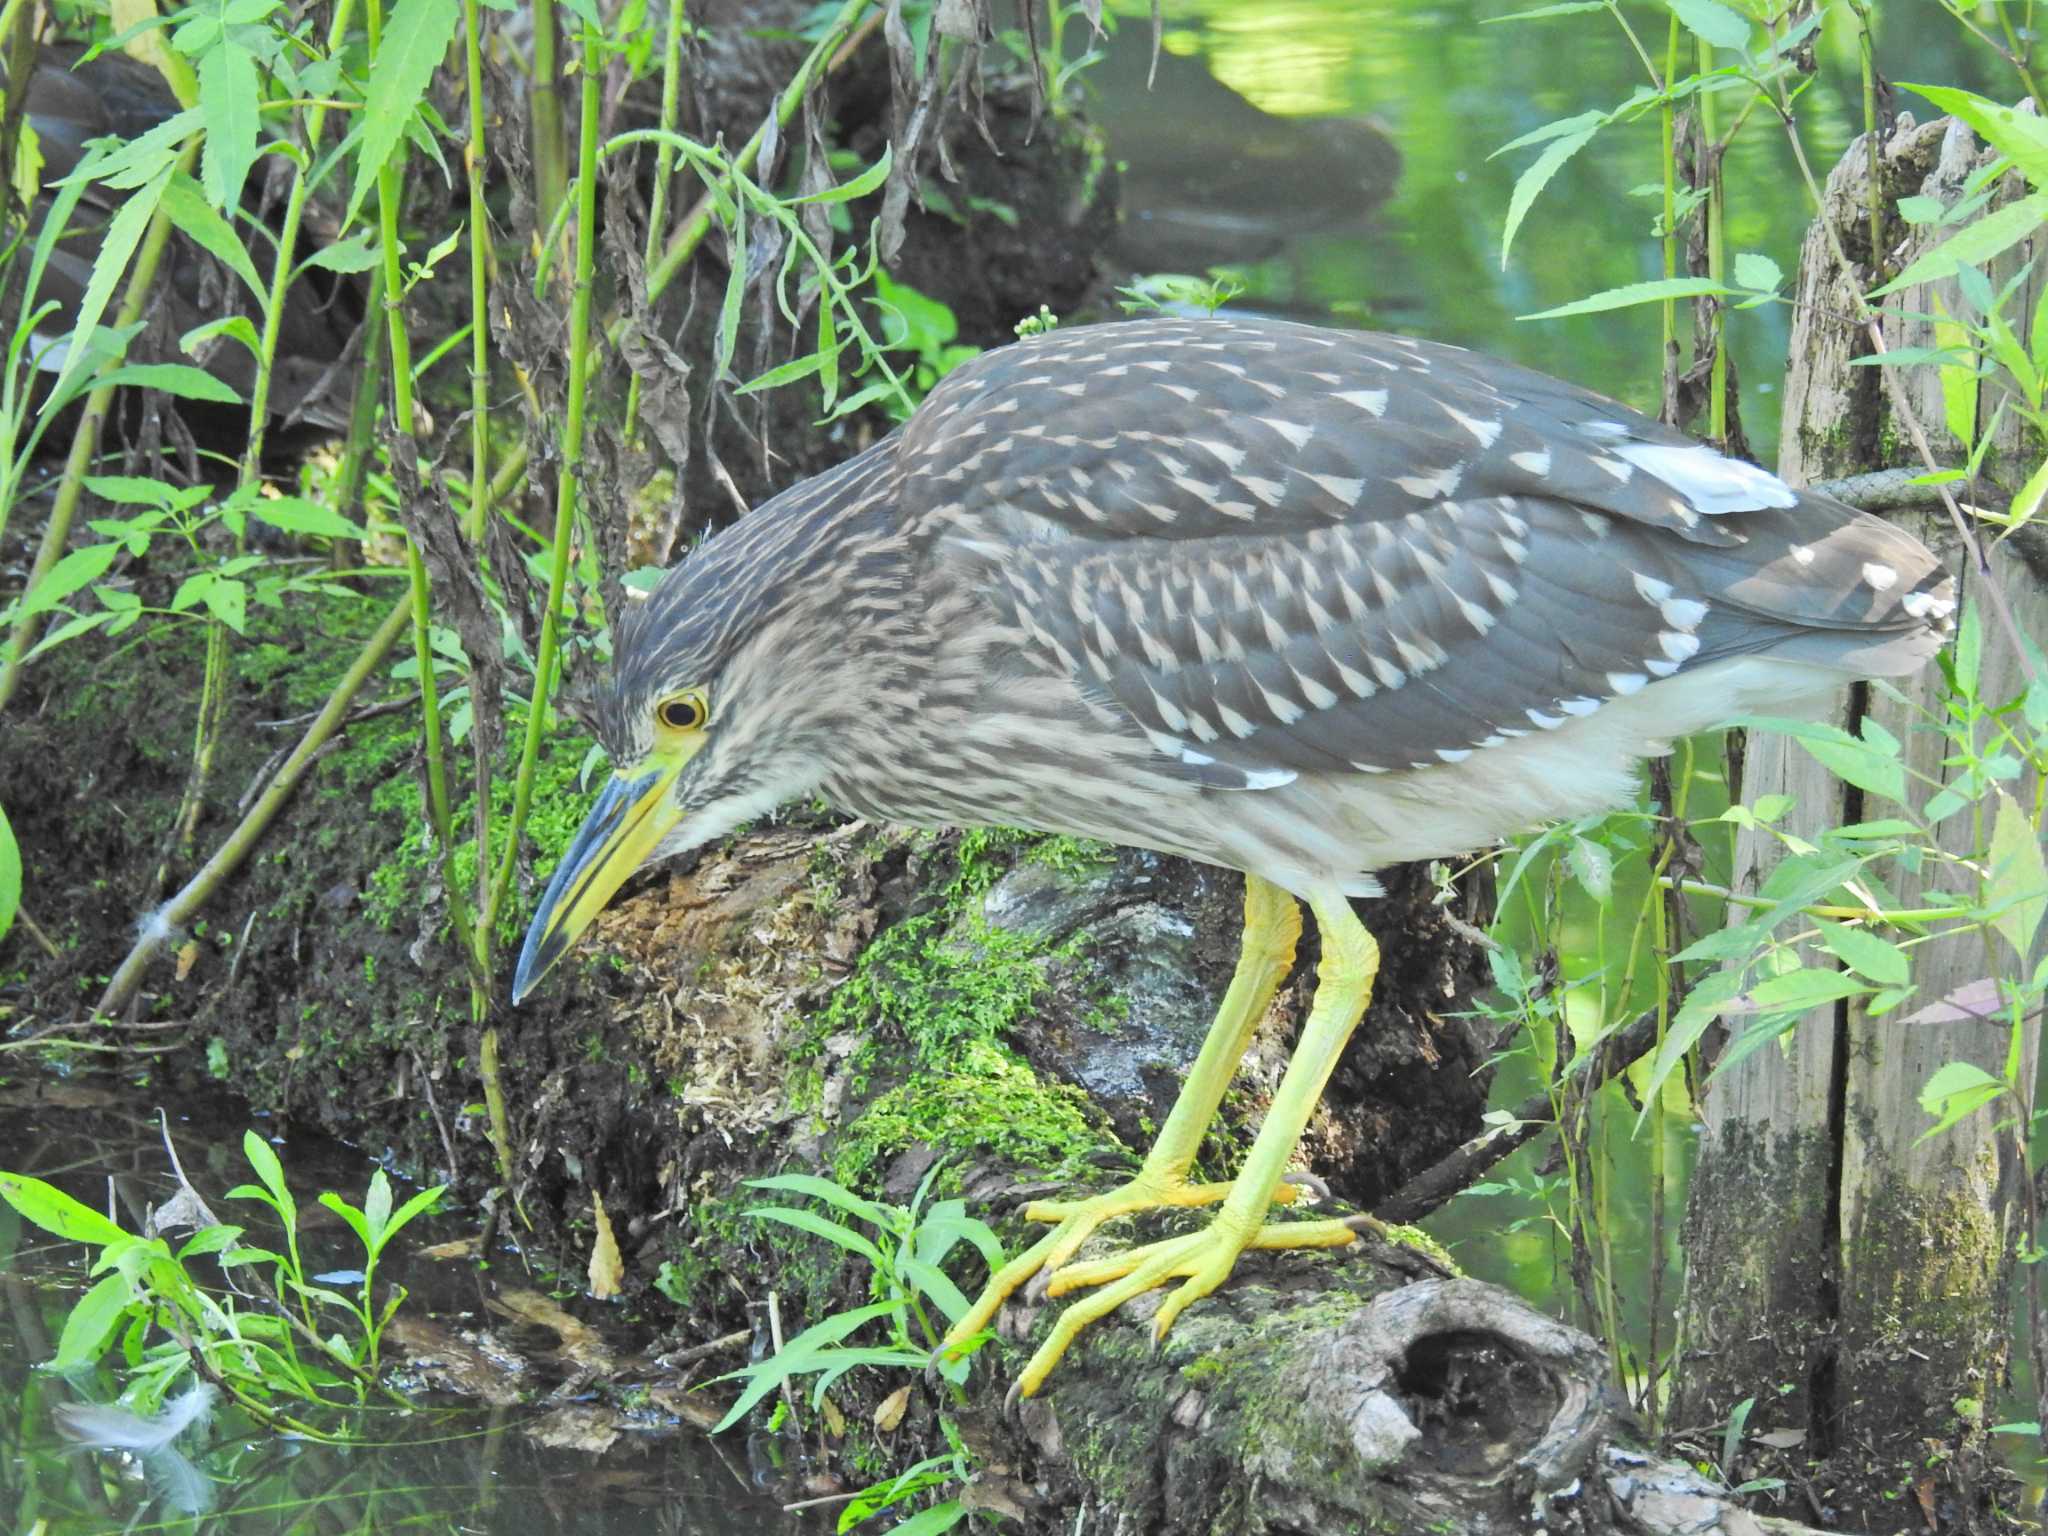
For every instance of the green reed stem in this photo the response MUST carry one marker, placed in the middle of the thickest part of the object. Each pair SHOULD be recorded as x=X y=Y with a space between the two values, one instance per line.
x=479 y=285
x=390 y=193
x=550 y=164
x=569 y=483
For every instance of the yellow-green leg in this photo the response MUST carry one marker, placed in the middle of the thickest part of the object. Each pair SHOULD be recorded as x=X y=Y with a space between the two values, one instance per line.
x=1272 y=925
x=1203 y=1260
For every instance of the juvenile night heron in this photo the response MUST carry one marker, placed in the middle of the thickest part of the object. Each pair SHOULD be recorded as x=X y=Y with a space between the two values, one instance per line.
x=1305 y=603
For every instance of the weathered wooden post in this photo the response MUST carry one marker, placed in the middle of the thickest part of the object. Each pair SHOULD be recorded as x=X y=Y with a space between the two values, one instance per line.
x=1850 y=1277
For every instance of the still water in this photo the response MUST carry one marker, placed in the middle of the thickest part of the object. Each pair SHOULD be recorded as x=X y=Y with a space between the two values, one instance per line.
x=1334 y=156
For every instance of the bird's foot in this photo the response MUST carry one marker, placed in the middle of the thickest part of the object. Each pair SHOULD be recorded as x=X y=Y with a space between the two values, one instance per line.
x=1201 y=1261
x=1074 y=1221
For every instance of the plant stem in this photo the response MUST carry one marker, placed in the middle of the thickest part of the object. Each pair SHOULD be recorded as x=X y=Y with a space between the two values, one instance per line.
x=1717 y=388
x=664 y=172
x=1668 y=122
x=181 y=908
x=550 y=172
x=85 y=438
x=826 y=55
x=404 y=421
x=479 y=282
x=213 y=696
x=569 y=483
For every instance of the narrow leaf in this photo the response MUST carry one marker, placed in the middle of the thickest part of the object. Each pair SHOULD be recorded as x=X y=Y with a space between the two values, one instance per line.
x=1546 y=165
x=195 y=218
x=1653 y=292
x=415 y=39
x=229 y=94
x=180 y=379
x=1974 y=244
x=124 y=233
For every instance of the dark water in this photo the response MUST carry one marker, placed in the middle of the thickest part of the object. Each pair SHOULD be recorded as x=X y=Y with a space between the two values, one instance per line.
x=1334 y=155
x=434 y=1469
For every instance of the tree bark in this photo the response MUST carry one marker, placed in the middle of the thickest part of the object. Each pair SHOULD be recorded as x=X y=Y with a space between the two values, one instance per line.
x=1847 y=1275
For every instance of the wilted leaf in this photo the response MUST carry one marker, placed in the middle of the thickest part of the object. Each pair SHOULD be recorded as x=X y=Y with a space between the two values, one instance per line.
x=607 y=1269
x=889 y=1412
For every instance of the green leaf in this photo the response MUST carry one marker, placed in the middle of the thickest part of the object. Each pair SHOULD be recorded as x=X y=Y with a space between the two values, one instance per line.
x=54 y=1211
x=230 y=95
x=296 y=514
x=784 y=373
x=269 y=1170
x=1956 y=1091
x=10 y=875
x=1532 y=181
x=764 y=1376
x=123 y=234
x=236 y=326
x=1867 y=955
x=1593 y=867
x=180 y=379
x=355 y=254
x=93 y=1317
x=829 y=1192
x=195 y=217
x=1869 y=767
x=820 y=1226
x=1920 y=210
x=1712 y=22
x=76 y=570
x=2017 y=887
x=356 y=1221
x=415 y=39
x=852 y=191
x=934 y=1521
x=2019 y=135
x=1757 y=272
x=1797 y=991
x=1974 y=244
x=1565 y=8
x=1654 y=292
x=1704 y=1004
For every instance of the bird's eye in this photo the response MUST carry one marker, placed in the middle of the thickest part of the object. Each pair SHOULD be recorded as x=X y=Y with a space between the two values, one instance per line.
x=684 y=712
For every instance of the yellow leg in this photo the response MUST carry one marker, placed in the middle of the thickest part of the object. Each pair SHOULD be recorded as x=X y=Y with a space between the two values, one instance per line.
x=1272 y=925
x=1203 y=1260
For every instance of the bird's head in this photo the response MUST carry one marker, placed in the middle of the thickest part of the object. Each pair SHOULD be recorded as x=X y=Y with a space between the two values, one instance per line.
x=724 y=702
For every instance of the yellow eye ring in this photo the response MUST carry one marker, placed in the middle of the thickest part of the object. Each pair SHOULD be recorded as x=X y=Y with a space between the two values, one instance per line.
x=684 y=712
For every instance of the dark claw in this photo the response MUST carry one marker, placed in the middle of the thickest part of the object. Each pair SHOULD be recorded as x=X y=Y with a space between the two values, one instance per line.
x=1013 y=1405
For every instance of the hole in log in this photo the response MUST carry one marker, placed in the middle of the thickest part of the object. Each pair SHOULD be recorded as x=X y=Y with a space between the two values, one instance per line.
x=1477 y=1400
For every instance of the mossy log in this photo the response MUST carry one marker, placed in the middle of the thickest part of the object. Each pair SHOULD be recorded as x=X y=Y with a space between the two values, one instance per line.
x=1848 y=1276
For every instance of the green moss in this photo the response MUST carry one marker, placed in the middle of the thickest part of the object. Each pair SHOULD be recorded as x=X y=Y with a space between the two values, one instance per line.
x=986 y=1101
x=933 y=999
